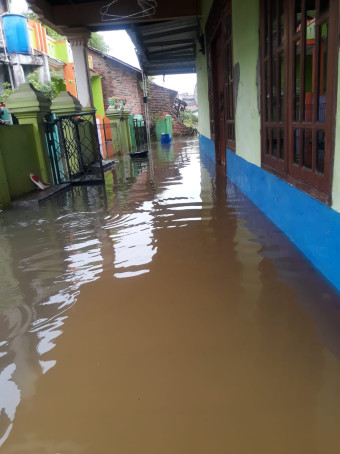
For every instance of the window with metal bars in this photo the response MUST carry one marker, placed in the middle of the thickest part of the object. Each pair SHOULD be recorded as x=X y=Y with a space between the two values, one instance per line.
x=298 y=65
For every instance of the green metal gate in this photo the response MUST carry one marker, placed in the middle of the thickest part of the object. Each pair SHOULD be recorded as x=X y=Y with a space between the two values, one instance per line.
x=73 y=148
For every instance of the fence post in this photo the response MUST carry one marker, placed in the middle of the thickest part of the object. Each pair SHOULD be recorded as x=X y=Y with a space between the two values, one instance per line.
x=119 y=121
x=30 y=107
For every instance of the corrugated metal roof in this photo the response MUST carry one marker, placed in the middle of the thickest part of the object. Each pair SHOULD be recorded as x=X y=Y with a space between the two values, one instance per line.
x=167 y=47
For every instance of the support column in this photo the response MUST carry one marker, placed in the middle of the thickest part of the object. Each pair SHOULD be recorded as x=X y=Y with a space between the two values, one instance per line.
x=17 y=72
x=120 y=129
x=30 y=107
x=78 y=40
x=45 y=75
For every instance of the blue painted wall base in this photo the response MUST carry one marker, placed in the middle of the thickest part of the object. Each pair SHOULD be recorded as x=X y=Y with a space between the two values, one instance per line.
x=312 y=226
x=207 y=146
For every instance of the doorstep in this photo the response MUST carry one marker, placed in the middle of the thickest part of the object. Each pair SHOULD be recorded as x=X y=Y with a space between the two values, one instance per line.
x=37 y=197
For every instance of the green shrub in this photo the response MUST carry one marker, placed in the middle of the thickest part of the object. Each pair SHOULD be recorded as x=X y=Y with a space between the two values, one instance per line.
x=190 y=119
x=51 y=89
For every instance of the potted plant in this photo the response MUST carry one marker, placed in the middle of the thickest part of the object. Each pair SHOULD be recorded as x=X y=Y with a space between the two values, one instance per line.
x=113 y=101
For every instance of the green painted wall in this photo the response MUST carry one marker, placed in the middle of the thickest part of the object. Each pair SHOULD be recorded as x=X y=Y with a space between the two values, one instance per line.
x=202 y=95
x=32 y=39
x=87 y=141
x=336 y=170
x=246 y=51
x=51 y=47
x=97 y=93
x=61 y=51
x=18 y=149
x=202 y=79
x=5 y=197
x=164 y=127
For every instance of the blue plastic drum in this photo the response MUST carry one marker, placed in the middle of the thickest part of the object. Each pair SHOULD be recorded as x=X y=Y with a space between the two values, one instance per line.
x=16 y=34
x=165 y=138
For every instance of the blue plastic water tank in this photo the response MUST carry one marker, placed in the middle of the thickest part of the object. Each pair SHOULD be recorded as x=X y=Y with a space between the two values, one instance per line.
x=16 y=34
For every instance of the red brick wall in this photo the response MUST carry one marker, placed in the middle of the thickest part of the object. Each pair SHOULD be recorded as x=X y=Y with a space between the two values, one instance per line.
x=179 y=129
x=160 y=100
x=120 y=81
x=124 y=82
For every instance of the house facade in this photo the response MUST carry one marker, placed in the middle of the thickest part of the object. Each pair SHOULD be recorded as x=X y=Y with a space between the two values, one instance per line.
x=268 y=88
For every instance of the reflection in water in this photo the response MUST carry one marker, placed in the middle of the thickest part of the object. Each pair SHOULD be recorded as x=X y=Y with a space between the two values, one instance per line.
x=9 y=399
x=162 y=314
x=133 y=242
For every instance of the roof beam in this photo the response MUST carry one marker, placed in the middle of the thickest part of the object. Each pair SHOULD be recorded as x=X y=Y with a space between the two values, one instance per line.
x=168 y=71
x=170 y=43
x=174 y=59
x=166 y=33
x=177 y=51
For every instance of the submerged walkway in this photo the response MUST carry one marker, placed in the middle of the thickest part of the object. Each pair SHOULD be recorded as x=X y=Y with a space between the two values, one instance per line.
x=163 y=314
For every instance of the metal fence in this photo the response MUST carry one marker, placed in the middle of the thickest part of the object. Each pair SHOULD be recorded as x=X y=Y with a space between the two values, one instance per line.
x=140 y=133
x=74 y=149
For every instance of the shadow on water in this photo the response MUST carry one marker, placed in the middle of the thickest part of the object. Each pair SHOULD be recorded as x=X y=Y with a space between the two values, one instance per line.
x=163 y=313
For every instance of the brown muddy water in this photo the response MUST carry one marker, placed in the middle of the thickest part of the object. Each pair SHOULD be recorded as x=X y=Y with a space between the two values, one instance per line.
x=163 y=315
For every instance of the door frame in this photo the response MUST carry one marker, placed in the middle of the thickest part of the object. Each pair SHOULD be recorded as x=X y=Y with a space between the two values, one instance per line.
x=219 y=81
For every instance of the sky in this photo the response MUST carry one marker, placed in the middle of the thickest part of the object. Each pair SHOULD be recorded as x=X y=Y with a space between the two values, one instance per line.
x=122 y=48
x=17 y=6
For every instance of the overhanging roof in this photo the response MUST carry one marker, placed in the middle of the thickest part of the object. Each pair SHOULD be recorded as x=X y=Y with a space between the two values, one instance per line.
x=63 y=14
x=166 y=42
x=167 y=47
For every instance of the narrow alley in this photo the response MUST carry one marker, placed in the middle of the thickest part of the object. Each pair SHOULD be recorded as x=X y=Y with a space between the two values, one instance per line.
x=164 y=314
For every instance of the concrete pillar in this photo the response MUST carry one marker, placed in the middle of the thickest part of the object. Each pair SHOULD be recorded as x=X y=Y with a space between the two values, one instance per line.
x=30 y=107
x=120 y=128
x=18 y=74
x=45 y=75
x=78 y=40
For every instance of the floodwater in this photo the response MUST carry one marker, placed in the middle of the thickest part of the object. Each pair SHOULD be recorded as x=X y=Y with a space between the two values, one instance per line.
x=163 y=315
